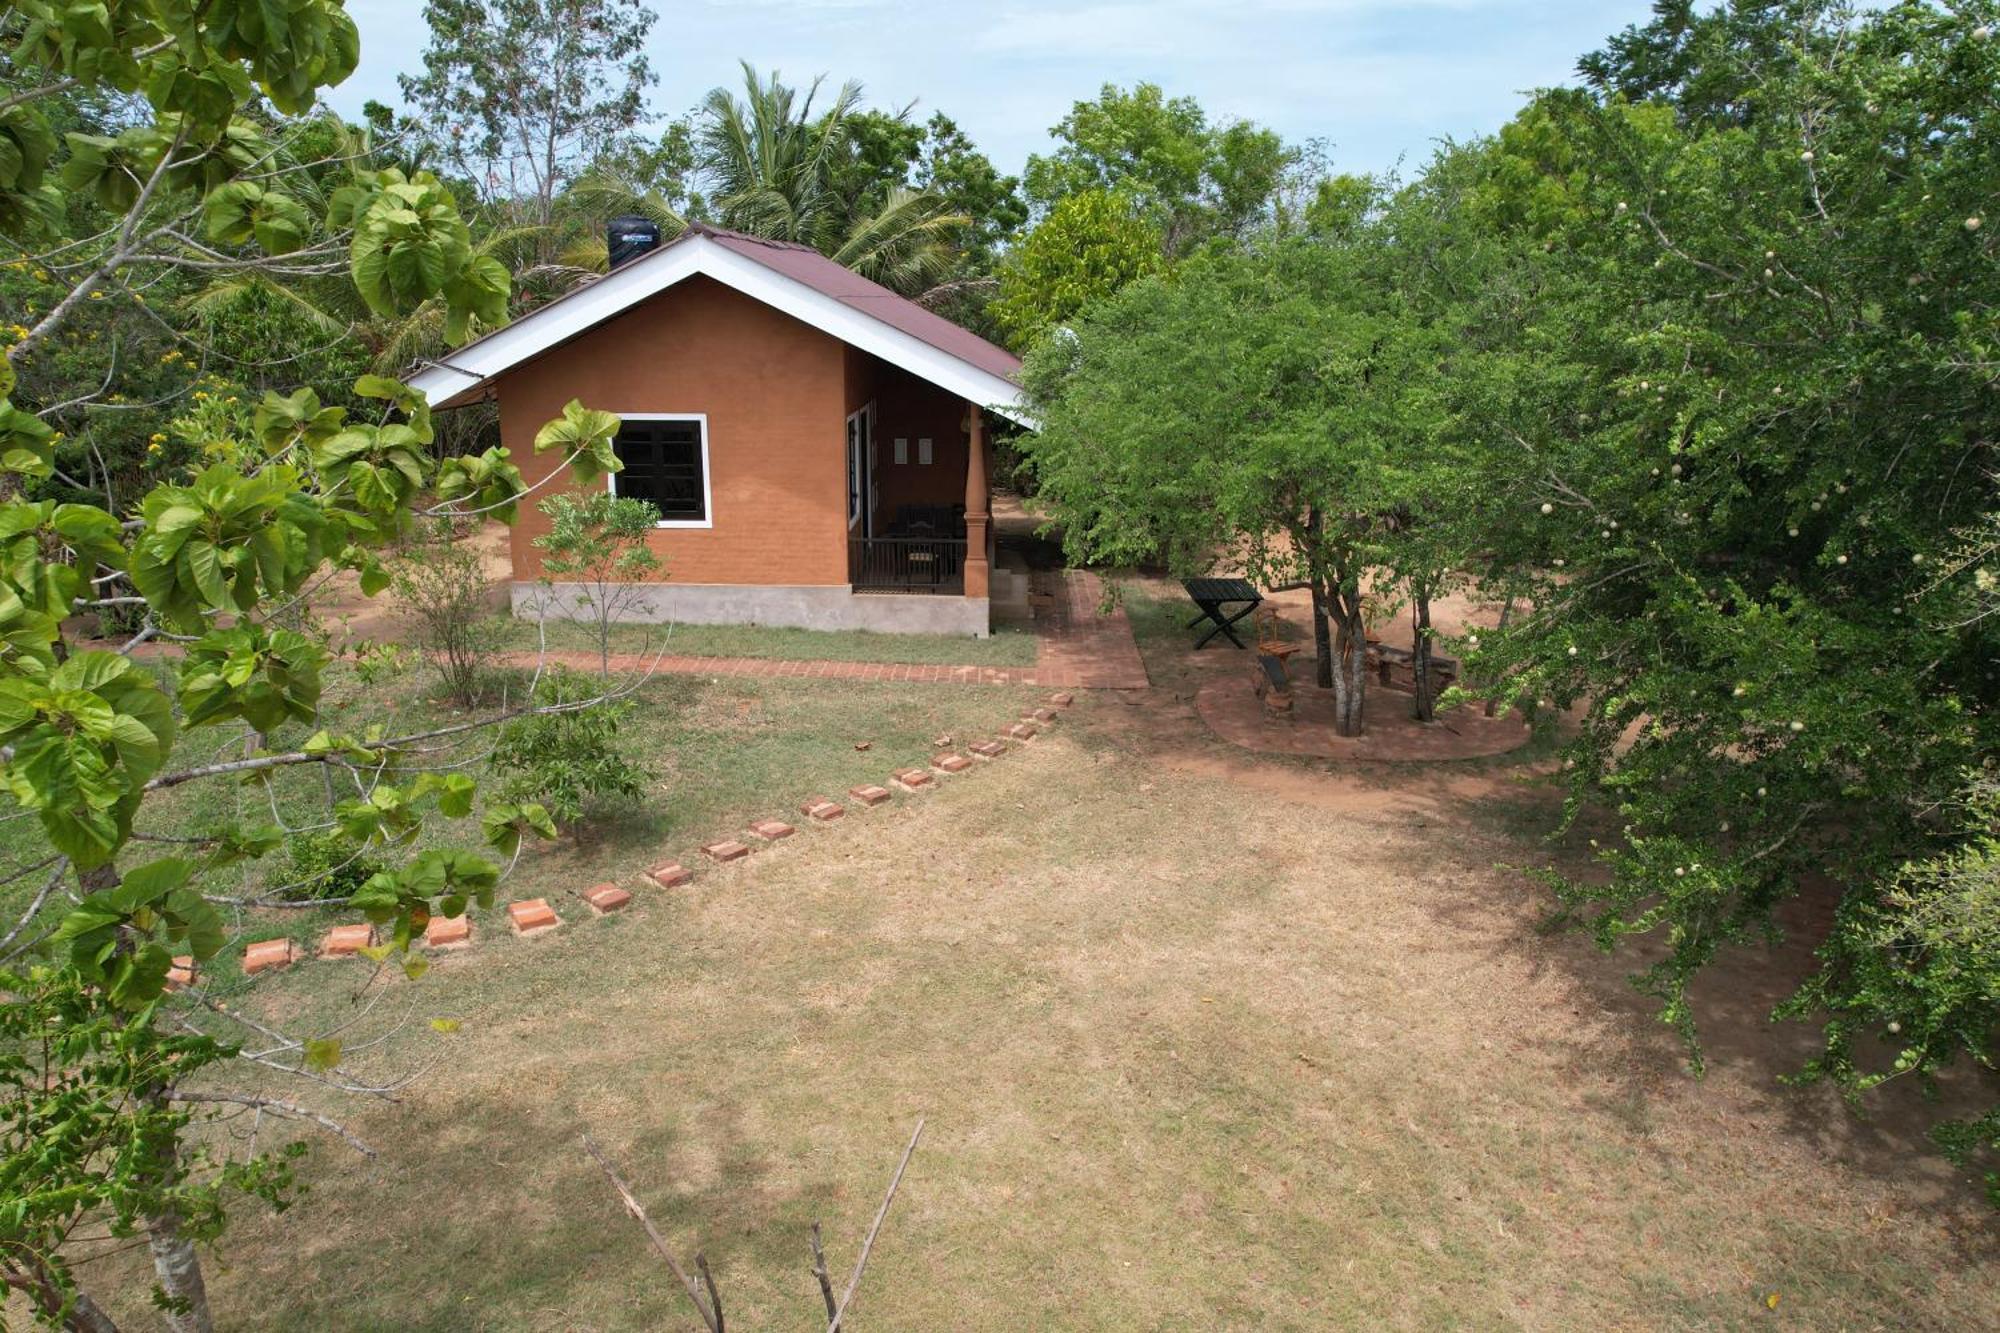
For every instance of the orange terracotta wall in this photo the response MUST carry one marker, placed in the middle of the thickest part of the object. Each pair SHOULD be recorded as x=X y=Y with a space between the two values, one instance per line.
x=774 y=391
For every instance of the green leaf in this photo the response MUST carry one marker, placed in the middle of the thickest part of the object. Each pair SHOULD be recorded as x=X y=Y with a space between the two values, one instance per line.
x=587 y=435
x=455 y=802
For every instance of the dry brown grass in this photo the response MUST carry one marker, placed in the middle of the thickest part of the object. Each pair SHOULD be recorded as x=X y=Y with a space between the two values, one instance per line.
x=1195 y=1054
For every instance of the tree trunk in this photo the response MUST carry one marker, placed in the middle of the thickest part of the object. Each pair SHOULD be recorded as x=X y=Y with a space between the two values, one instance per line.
x=179 y=1268
x=85 y=1317
x=1322 y=637
x=1425 y=708
x=1322 y=641
x=82 y=1314
x=1506 y=610
x=1350 y=647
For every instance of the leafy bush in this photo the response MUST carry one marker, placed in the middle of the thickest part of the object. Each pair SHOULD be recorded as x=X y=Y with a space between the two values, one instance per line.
x=571 y=762
x=323 y=865
x=443 y=588
x=598 y=542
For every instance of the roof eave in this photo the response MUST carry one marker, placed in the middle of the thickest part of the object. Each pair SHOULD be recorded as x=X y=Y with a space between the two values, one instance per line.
x=474 y=367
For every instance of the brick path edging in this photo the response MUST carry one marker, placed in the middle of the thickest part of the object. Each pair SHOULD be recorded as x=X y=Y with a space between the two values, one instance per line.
x=535 y=916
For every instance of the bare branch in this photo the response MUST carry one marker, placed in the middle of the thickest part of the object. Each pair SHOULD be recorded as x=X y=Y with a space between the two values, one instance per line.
x=638 y=1212
x=819 y=1271
x=276 y=1106
x=35 y=907
x=708 y=1280
x=868 y=1245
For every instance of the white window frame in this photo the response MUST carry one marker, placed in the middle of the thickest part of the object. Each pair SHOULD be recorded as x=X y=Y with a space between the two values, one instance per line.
x=707 y=480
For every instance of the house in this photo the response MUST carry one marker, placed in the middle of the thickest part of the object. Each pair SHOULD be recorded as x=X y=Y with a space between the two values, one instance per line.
x=817 y=446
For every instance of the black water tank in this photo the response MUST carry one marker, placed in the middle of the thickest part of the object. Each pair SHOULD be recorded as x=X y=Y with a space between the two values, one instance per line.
x=629 y=237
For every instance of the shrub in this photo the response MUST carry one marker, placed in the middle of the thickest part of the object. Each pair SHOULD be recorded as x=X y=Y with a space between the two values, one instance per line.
x=444 y=591
x=571 y=762
x=322 y=865
x=598 y=542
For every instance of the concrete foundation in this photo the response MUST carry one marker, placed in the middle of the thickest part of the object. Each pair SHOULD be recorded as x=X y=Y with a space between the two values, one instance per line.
x=828 y=607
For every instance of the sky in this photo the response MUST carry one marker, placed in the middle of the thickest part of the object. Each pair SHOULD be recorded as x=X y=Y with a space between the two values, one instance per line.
x=1381 y=81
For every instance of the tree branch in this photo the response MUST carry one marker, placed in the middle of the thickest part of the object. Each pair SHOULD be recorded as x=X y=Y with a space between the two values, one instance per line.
x=868 y=1245
x=276 y=1106
x=638 y=1212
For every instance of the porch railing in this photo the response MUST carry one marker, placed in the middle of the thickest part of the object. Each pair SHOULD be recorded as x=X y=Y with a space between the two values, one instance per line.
x=907 y=564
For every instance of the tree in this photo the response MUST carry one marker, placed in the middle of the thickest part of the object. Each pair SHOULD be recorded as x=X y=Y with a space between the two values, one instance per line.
x=523 y=92
x=1191 y=179
x=599 y=542
x=776 y=168
x=1248 y=405
x=1087 y=248
x=216 y=556
x=966 y=182
x=1749 y=397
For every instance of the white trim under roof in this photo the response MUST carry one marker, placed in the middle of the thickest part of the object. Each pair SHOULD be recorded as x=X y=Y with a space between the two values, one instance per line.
x=477 y=364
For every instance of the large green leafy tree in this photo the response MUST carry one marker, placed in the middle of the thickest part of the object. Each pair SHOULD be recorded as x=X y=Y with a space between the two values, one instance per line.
x=106 y=1070
x=1086 y=249
x=1261 y=407
x=1191 y=178
x=1751 y=403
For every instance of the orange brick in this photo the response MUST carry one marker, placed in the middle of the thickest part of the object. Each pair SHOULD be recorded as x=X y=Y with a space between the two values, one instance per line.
x=771 y=830
x=1022 y=731
x=1063 y=699
x=912 y=779
x=869 y=794
x=726 y=850
x=267 y=954
x=346 y=941
x=950 y=763
x=987 y=749
x=820 y=809
x=531 y=916
x=669 y=873
x=182 y=973
x=448 y=932
x=606 y=898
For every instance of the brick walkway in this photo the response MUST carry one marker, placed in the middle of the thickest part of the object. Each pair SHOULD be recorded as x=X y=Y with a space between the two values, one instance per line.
x=1075 y=647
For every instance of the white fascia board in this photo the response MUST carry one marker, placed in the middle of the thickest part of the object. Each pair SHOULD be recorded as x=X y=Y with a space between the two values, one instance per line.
x=860 y=329
x=557 y=322
x=633 y=283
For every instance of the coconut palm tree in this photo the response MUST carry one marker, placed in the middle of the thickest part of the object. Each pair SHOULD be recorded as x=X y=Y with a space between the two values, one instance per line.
x=768 y=159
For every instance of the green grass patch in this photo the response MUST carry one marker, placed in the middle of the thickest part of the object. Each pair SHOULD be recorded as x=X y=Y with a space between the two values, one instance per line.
x=1009 y=646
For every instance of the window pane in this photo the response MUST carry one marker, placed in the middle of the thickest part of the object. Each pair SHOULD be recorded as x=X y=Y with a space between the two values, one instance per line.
x=663 y=464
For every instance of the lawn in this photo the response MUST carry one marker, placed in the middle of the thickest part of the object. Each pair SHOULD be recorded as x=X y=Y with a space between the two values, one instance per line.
x=719 y=751
x=1199 y=1048
x=1008 y=646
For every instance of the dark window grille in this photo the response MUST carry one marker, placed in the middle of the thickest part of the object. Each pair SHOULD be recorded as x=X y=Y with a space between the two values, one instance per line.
x=663 y=464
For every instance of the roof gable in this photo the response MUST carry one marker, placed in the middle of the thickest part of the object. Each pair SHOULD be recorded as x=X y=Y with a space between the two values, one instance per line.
x=794 y=279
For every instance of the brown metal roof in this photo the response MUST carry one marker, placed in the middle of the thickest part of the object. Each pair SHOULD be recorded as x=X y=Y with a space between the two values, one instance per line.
x=803 y=264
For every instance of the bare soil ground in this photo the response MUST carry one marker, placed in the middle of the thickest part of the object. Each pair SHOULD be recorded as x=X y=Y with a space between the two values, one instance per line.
x=1205 y=1041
